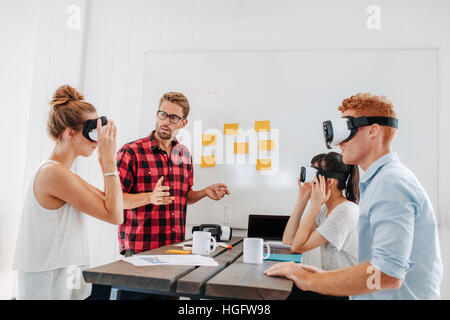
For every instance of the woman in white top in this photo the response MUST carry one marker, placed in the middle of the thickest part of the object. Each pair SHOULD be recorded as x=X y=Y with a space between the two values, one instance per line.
x=52 y=245
x=331 y=219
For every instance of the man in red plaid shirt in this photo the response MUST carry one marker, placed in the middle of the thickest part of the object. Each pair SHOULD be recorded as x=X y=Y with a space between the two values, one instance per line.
x=157 y=177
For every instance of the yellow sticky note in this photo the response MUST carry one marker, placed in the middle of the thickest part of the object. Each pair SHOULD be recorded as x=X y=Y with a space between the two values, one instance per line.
x=208 y=161
x=262 y=126
x=208 y=139
x=174 y=251
x=265 y=145
x=241 y=147
x=263 y=164
x=230 y=128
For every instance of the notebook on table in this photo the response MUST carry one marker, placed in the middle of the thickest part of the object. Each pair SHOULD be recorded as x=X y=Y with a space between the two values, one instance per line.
x=285 y=257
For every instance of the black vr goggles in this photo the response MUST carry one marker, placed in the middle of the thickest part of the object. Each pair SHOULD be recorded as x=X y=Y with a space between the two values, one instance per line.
x=344 y=129
x=307 y=174
x=90 y=128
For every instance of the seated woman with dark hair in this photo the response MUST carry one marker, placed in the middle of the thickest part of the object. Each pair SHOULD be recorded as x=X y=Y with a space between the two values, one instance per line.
x=331 y=219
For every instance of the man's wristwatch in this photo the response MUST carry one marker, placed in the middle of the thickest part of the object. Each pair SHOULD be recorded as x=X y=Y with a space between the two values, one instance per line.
x=115 y=173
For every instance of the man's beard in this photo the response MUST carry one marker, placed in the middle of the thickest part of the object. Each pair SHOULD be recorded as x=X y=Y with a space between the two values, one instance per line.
x=163 y=134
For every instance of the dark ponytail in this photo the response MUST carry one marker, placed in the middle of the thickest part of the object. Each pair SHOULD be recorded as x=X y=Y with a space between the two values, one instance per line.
x=352 y=186
x=332 y=161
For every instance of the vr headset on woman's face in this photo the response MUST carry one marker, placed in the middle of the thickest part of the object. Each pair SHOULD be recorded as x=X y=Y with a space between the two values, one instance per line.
x=90 y=128
x=307 y=174
x=341 y=130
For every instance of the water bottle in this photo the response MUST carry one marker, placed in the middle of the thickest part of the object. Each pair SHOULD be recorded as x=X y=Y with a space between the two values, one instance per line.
x=226 y=224
x=226 y=217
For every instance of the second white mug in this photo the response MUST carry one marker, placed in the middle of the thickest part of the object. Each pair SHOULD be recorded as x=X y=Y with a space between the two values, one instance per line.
x=201 y=243
x=254 y=250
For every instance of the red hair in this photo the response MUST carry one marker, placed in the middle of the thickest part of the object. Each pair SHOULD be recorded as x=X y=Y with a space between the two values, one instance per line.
x=369 y=105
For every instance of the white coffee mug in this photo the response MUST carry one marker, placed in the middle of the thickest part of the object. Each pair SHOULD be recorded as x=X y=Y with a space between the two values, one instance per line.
x=253 y=250
x=201 y=242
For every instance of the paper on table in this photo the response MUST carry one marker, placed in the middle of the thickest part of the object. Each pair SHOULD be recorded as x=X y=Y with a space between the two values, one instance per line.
x=171 y=260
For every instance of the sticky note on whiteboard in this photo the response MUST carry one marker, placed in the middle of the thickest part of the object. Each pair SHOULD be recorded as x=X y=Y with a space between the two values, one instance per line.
x=240 y=147
x=208 y=161
x=263 y=164
x=262 y=126
x=208 y=139
x=230 y=128
x=265 y=145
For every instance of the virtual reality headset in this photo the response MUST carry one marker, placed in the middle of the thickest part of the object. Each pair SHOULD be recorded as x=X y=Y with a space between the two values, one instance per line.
x=307 y=174
x=344 y=129
x=90 y=128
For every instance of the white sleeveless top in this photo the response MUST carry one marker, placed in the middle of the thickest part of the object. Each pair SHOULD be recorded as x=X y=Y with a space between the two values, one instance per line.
x=50 y=239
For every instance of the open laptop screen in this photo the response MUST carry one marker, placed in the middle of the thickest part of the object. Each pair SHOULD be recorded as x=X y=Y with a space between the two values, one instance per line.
x=268 y=227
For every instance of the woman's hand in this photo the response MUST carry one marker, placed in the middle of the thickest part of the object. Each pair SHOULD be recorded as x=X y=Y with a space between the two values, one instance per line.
x=304 y=191
x=107 y=145
x=319 y=193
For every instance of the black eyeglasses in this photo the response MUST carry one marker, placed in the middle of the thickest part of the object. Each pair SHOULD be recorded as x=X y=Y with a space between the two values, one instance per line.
x=173 y=118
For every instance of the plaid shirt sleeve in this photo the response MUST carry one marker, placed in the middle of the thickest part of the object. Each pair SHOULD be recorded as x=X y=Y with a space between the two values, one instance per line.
x=126 y=165
x=191 y=174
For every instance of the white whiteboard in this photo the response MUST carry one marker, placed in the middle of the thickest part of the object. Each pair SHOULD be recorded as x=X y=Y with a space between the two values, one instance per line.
x=296 y=91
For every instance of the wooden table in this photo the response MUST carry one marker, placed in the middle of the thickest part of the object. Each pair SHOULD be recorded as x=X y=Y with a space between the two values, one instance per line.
x=232 y=279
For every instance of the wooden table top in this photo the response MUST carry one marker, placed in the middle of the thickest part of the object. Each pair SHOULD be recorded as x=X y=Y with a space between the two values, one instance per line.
x=247 y=281
x=231 y=279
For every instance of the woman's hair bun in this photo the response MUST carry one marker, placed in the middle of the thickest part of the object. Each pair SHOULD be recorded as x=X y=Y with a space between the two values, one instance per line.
x=67 y=110
x=65 y=94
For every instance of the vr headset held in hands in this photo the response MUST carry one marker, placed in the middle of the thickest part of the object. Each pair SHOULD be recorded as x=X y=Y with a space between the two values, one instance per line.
x=90 y=128
x=307 y=174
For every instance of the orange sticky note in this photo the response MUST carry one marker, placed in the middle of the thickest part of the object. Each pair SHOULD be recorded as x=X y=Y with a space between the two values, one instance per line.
x=208 y=139
x=262 y=126
x=230 y=128
x=263 y=164
x=241 y=147
x=264 y=145
x=208 y=161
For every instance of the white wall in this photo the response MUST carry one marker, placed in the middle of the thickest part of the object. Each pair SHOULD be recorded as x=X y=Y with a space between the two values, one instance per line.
x=38 y=53
x=105 y=59
x=18 y=24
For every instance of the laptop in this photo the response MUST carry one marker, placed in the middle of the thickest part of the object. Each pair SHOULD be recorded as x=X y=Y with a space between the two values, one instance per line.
x=268 y=227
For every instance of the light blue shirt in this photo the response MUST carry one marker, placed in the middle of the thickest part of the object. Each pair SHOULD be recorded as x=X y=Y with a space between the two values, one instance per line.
x=397 y=231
